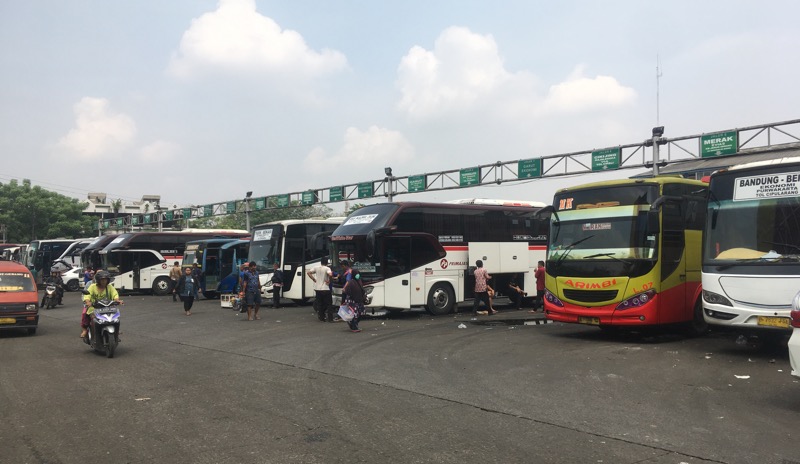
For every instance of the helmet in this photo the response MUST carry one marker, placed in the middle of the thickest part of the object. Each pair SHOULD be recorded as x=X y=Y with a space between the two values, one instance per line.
x=102 y=274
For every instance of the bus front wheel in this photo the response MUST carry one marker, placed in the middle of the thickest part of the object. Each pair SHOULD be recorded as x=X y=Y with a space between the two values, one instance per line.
x=441 y=300
x=698 y=325
x=162 y=286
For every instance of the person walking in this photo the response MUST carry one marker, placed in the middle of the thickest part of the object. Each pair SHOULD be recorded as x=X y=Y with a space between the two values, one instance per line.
x=174 y=277
x=187 y=288
x=323 y=303
x=353 y=296
x=481 y=289
x=277 y=285
x=539 y=275
x=251 y=290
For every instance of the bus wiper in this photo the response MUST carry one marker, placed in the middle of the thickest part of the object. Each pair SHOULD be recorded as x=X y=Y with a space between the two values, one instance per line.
x=788 y=245
x=568 y=248
x=749 y=260
x=609 y=255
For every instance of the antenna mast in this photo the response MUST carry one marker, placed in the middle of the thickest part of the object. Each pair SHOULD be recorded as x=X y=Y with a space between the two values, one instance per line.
x=658 y=86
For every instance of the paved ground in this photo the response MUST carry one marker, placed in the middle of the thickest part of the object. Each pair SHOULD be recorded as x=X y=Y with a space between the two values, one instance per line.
x=214 y=388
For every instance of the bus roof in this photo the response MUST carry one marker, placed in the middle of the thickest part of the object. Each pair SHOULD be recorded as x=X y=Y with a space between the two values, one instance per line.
x=646 y=180
x=286 y=222
x=755 y=164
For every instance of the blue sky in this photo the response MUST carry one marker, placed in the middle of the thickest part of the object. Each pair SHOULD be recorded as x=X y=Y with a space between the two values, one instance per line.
x=200 y=101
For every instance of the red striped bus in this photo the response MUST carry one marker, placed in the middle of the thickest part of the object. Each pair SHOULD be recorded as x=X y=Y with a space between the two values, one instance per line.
x=423 y=254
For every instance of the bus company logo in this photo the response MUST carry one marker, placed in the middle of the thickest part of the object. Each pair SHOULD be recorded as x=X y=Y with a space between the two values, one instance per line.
x=443 y=263
x=163 y=265
x=590 y=285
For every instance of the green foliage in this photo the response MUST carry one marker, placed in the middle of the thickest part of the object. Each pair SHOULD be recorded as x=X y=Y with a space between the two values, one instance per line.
x=239 y=220
x=356 y=206
x=32 y=213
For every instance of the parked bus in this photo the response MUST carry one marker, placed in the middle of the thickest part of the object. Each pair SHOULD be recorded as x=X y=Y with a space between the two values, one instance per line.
x=297 y=245
x=422 y=254
x=40 y=255
x=627 y=253
x=71 y=257
x=11 y=251
x=90 y=256
x=219 y=259
x=141 y=260
x=751 y=252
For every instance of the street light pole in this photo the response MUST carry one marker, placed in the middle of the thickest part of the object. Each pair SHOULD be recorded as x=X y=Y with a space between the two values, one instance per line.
x=247 y=209
x=389 y=183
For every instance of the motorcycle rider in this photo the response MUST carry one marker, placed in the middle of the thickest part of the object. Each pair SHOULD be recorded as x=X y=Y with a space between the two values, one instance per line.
x=100 y=289
x=55 y=279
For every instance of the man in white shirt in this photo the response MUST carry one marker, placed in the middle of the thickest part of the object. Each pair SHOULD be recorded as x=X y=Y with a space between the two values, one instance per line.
x=323 y=303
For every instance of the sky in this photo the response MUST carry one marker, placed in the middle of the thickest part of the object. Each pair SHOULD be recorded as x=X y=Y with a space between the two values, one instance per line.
x=200 y=101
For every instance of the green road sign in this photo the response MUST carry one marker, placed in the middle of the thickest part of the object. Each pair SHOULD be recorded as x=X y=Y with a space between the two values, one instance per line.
x=230 y=207
x=529 y=168
x=309 y=198
x=120 y=222
x=135 y=220
x=336 y=193
x=283 y=201
x=365 y=190
x=723 y=143
x=208 y=210
x=187 y=213
x=417 y=183
x=169 y=215
x=469 y=176
x=261 y=203
x=106 y=224
x=605 y=160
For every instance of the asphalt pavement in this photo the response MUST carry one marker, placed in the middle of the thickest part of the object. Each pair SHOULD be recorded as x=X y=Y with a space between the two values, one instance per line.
x=411 y=388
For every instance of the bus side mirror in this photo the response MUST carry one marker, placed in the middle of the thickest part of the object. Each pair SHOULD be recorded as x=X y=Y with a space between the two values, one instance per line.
x=371 y=238
x=714 y=214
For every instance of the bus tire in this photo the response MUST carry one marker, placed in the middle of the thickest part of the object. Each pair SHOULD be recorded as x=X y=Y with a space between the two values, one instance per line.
x=441 y=299
x=210 y=295
x=698 y=326
x=162 y=286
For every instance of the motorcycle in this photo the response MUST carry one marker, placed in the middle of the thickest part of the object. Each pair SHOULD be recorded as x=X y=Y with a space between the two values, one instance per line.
x=103 y=333
x=50 y=296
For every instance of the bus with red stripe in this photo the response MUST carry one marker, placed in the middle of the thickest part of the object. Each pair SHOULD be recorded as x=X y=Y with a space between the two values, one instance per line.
x=140 y=261
x=414 y=255
x=627 y=253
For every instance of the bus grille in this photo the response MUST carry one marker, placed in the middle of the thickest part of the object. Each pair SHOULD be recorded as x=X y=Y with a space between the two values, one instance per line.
x=590 y=296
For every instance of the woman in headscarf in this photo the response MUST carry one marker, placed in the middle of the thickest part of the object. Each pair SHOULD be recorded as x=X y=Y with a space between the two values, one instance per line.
x=353 y=296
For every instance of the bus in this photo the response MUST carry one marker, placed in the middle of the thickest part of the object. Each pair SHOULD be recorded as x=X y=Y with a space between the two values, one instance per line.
x=219 y=259
x=90 y=255
x=296 y=245
x=11 y=251
x=751 y=249
x=140 y=261
x=40 y=255
x=71 y=257
x=412 y=254
x=626 y=253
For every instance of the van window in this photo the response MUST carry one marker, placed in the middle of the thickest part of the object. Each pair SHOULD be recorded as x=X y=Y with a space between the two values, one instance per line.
x=16 y=282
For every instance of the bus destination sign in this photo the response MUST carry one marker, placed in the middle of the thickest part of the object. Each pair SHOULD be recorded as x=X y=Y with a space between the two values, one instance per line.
x=780 y=185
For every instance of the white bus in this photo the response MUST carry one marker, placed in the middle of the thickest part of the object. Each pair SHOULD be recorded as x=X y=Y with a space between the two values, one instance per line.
x=297 y=245
x=423 y=254
x=751 y=245
x=141 y=260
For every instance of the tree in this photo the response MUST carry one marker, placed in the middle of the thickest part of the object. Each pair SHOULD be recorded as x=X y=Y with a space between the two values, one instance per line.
x=239 y=220
x=33 y=213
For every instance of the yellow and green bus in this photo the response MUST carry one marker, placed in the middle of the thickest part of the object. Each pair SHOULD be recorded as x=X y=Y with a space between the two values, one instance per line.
x=627 y=253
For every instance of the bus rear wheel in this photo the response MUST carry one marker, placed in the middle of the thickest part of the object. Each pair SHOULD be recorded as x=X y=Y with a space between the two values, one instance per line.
x=441 y=300
x=162 y=286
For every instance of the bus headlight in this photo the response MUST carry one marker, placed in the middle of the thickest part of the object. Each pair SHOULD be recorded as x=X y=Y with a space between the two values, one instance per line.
x=552 y=299
x=368 y=290
x=635 y=301
x=715 y=298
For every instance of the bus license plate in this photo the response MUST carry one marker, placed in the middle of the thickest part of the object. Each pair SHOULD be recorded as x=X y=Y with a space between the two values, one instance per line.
x=588 y=320
x=7 y=320
x=782 y=322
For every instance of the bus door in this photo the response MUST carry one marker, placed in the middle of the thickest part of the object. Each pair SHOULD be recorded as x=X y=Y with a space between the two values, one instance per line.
x=673 y=266
x=396 y=263
x=294 y=278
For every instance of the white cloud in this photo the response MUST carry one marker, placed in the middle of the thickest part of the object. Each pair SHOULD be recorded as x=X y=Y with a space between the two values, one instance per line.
x=362 y=150
x=159 y=150
x=465 y=73
x=579 y=94
x=98 y=131
x=236 y=38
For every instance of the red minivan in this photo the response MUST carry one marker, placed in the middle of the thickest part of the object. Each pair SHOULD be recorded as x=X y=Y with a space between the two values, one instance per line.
x=19 y=308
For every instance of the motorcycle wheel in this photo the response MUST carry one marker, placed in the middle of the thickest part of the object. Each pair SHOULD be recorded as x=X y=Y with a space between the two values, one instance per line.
x=112 y=345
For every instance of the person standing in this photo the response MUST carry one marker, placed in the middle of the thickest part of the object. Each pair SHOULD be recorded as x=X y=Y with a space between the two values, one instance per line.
x=197 y=273
x=88 y=275
x=539 y=275
x=353 y=296
x=251 y=290
x=174 y=277
x=323 y=302
x=481 y=289
x=187 y=289
x=277 y=285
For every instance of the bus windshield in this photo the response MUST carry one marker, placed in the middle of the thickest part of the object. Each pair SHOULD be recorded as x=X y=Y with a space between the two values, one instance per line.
x=355 y=251
x=601 y=242
x=750 y=231
x=265 y=248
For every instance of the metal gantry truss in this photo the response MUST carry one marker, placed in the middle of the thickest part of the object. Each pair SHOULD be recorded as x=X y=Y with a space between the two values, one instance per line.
x=629 y=156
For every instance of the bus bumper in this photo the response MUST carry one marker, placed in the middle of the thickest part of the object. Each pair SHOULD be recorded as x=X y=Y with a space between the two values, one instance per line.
x=603 y=315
